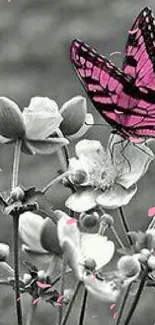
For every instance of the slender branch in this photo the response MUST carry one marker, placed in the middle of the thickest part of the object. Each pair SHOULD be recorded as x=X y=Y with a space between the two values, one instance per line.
x=54 y=181
x=138 y=295
x=66 y=315
x=125 y=225
x=15 y=231
x=83 y=307
x=59 y=277
x=117 y=237
x=30 y=317
x=122 y=306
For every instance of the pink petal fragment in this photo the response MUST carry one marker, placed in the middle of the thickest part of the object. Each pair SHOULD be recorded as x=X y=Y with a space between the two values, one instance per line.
x=133 y=31
x=115 y=315
x=112 y=306
x=60 y=298
x=135 y=140
x=93 y=278
x=151 y=212
x=58 y=304
x=116 y=52
x=0 y=170
x=18 y=298
x=36 y=300
x=70 y=221
x=43 y=285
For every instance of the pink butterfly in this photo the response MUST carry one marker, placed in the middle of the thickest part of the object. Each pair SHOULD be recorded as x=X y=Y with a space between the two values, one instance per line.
x=124 y=98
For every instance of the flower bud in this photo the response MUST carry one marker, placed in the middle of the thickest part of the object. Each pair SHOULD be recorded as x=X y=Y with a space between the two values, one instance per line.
x=79 y=177
x=27 y=278
x=89 y=222
x=11 y=119
x=128 y=266
x=151 y=233
x=17 y=194
x=68 y=294
x=42 y=275
x=90 y=264
x=4 y=251
x=109 y=220
x=145 y=252
x=74 y=113
x=151 y=262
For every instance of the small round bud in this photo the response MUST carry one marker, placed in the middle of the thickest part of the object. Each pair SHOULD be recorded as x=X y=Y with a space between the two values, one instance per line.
x=89 y=220
x=151 y=262
x=68 y=294
x=27 y=278
x=17 y=194
x=4 y=252
x=128 y=266
x=108 y=219
x=90 y=264
x=79 y=177
x=42 y=275
x=151 y=233
x=145 y=252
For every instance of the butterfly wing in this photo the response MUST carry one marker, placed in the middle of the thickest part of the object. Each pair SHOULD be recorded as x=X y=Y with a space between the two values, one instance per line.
x=139 y=60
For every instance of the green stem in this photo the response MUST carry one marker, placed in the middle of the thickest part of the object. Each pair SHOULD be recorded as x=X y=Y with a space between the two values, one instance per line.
x=54 y=181
x=137 y=297
x=62 y=283
x=117 y=237
x=15 y=231
x=125 y=225
x=66 y=315
x=31 y=314
x=120 y=313
x=83 y=307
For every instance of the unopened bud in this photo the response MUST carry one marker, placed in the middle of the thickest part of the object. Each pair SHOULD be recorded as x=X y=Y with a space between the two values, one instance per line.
x=42 y=275
x=79 y=177
x=90 y=264
x=151 y=234
x=108 y=219
x=128 y=266
x=17 y=194
x=151 y=262
x=4 y=252
x=89 y=220
x=27 y=278
x=145 y=252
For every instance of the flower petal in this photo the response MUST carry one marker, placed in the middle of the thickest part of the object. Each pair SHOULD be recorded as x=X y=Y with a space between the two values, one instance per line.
x=83 y=200
x=30 y=226
x=49 y=237
x=98 y=248
x=44 y=147
x=116 y=197
x=105 y=290
x=41 y=118
x=74 y=113
x=139 y=157
x=89 y=120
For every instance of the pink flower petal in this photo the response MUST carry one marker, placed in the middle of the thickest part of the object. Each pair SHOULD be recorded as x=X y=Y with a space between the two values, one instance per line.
x=151 y=212
x=43 y=285
x=60 y=298
x=116 y=52
x=115 y=315
x=57 y=304
x=0 y=170
x=70 y=221
x=36 y=300
x=131 y=32
x=112 y=306
x=18 y=298
x=93 y=278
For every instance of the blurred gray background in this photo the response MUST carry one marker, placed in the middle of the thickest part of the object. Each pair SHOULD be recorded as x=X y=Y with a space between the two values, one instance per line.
x=35 y=36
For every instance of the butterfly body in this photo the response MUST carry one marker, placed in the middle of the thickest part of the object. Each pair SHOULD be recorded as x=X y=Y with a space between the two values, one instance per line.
x=125 y=97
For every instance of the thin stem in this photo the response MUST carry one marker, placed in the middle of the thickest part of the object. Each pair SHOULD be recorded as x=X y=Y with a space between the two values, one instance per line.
x=15 y=231
x=122 y=306
x=54 y=181
x=125 y=225
x=59 y=277
x=117 y=237
x=66 y=315
x=31 y=314
x=137 y=297
x=62 y=283
x=83 y=307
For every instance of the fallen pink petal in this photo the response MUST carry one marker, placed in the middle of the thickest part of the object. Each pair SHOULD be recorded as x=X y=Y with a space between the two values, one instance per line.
x=112 y=306
x=115 y=315
x=58 y=304
x=60 y=298
x=18 y=298
x=36 y=300
x=151 y=212
x=43 y=285
x=71 y=221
